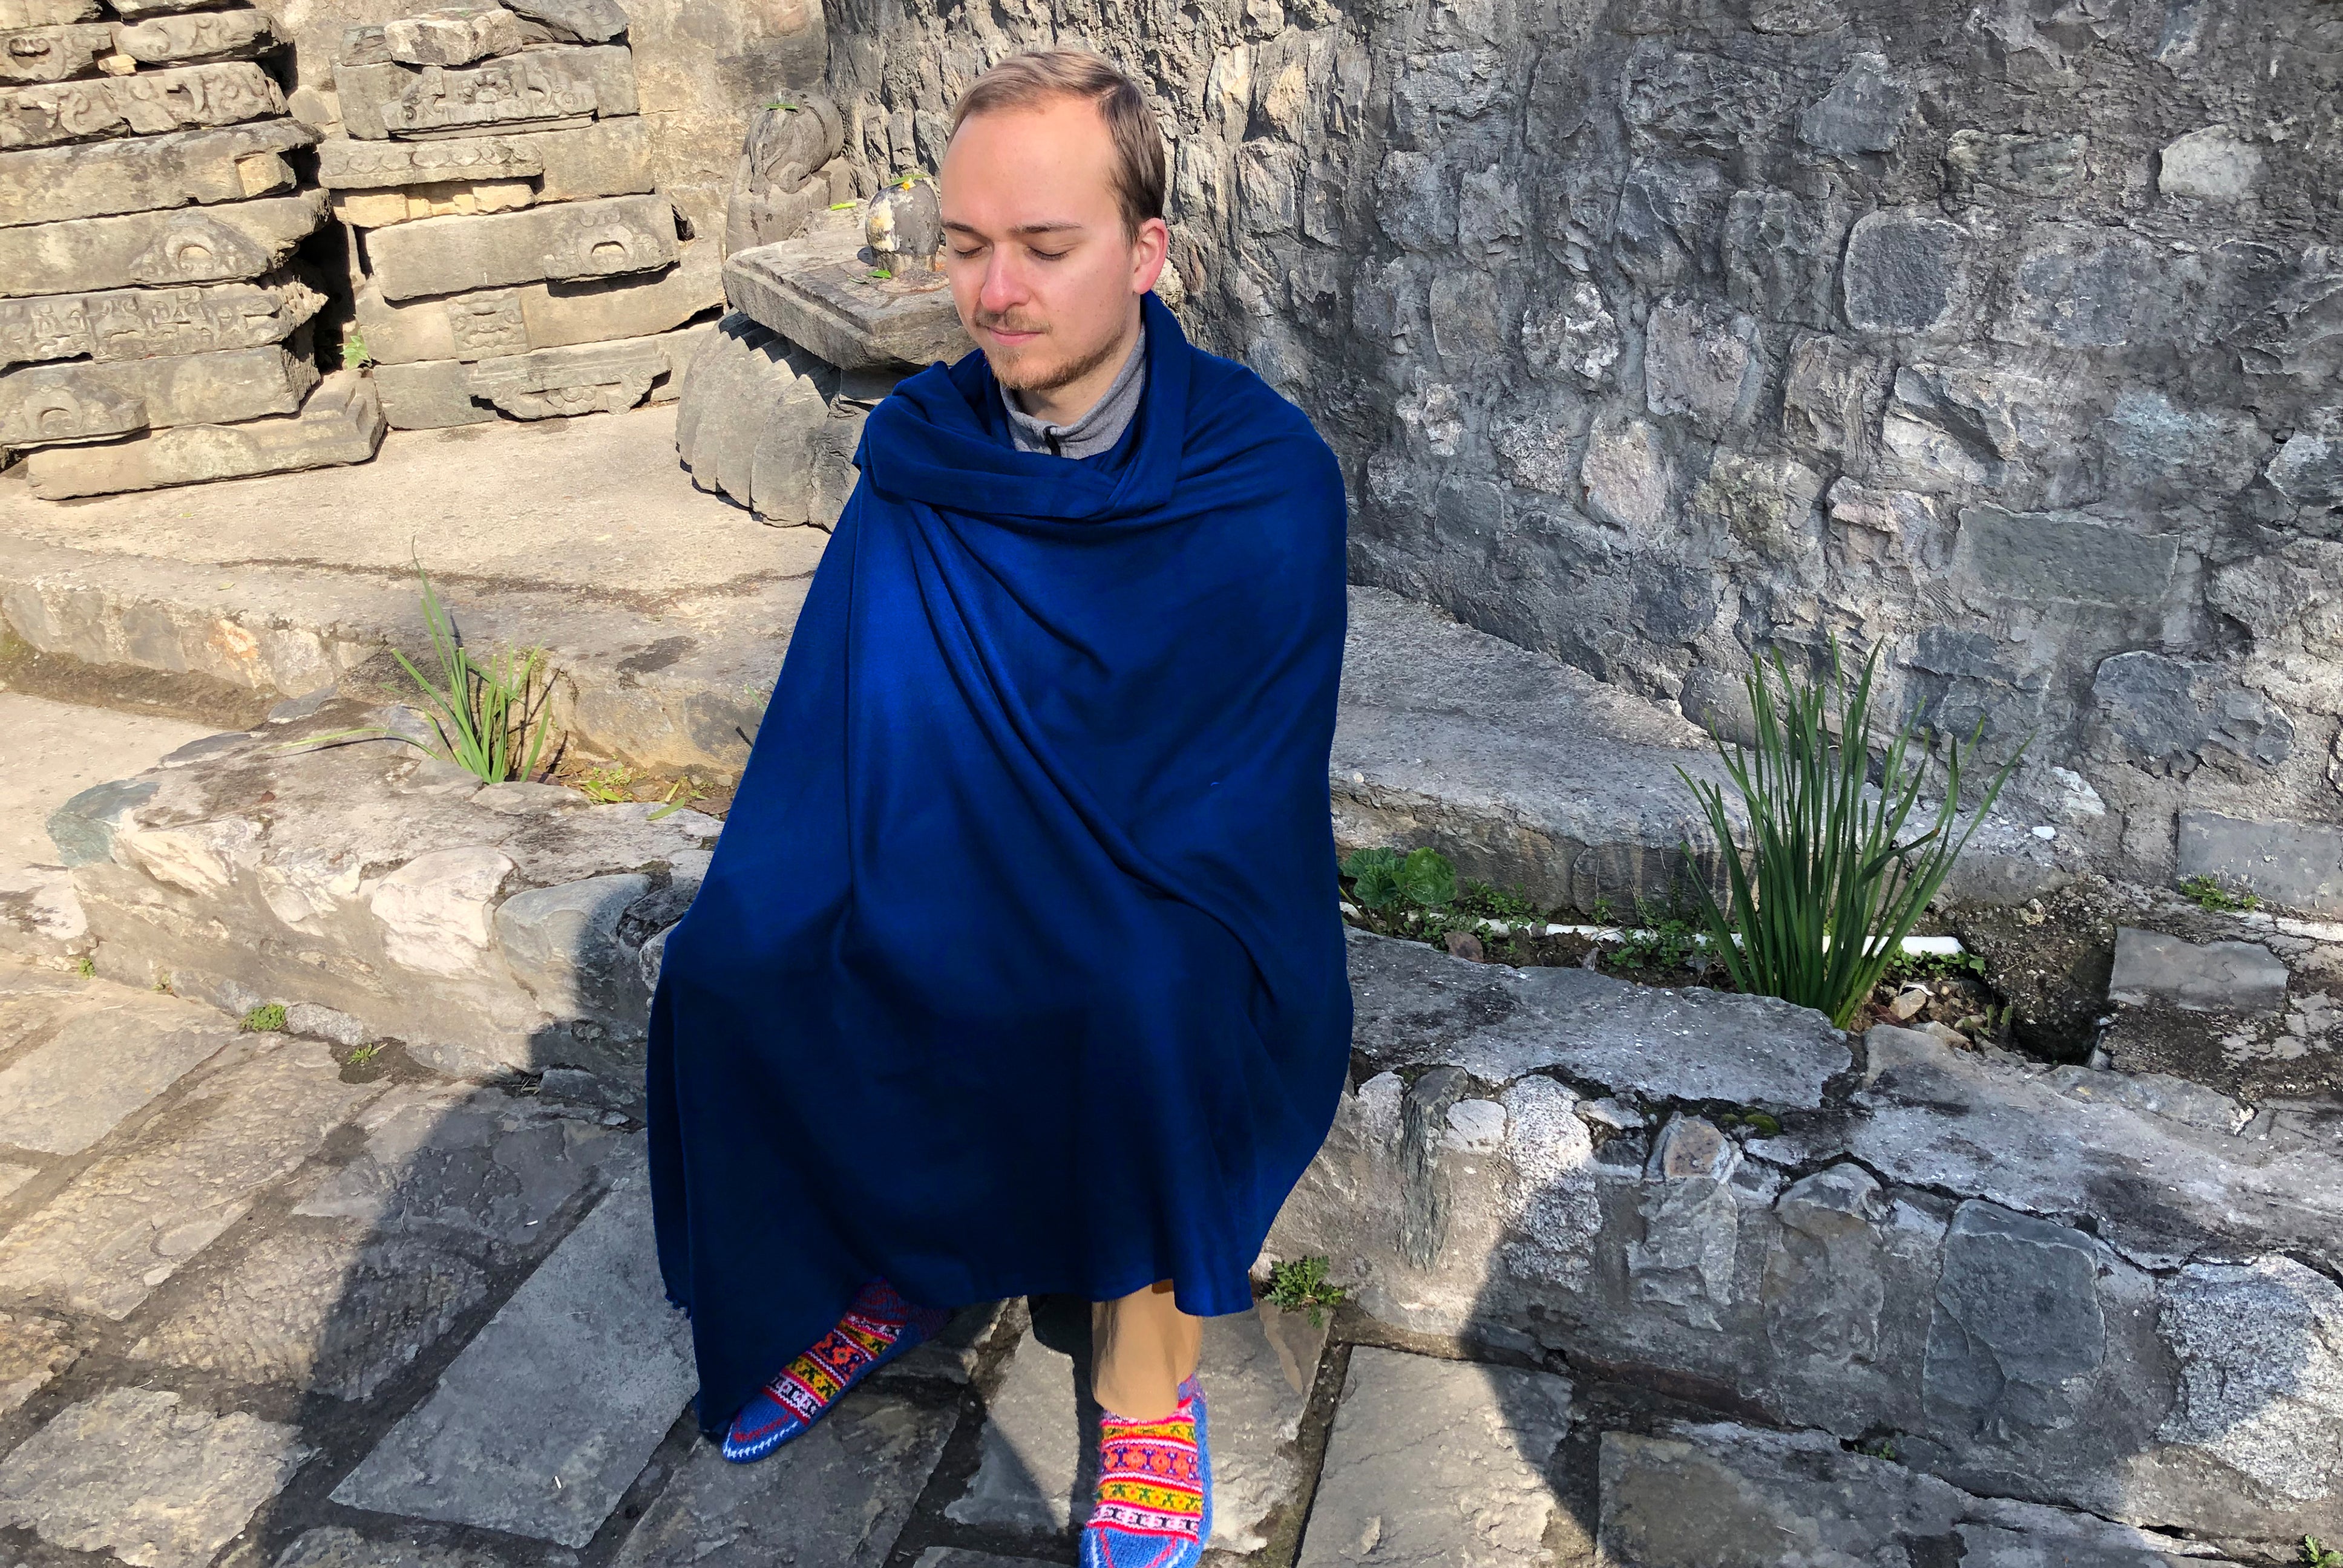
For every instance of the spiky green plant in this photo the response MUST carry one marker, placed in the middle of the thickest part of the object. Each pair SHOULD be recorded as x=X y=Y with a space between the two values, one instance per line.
x=1832 y=884
x=482 y=712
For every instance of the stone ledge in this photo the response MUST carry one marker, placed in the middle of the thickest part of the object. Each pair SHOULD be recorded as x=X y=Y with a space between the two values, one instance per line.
x=2085 y=1289
x=492 y=929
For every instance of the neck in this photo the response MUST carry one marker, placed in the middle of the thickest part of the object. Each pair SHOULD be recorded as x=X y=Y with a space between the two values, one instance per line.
x=1064 y=404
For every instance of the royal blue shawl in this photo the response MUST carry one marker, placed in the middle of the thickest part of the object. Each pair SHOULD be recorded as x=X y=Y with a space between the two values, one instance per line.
x=1017 y=968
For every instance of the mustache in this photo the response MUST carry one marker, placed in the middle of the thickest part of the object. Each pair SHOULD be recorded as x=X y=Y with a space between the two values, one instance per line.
x=997 y=322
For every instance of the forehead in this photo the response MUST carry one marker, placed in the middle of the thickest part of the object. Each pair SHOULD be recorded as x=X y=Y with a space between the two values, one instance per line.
x=1053 y=162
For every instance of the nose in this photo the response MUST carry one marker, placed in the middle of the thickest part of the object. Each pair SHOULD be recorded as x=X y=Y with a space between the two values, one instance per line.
x=1004 y=282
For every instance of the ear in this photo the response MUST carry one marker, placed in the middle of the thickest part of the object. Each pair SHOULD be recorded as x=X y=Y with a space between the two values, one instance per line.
x=1147 y=252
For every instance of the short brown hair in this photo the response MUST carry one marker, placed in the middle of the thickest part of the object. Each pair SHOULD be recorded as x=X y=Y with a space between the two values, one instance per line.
x=1029 y=80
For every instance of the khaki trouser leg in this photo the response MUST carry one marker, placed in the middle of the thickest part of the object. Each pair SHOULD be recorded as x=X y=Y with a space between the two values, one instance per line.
x=1142 y=1347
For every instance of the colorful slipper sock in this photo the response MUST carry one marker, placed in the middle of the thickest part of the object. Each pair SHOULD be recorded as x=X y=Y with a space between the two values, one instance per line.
x=879 y=1326
x=1154 y=1507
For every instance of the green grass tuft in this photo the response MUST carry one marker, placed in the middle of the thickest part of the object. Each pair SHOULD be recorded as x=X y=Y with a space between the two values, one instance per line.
x=268 y=1015
x=1300 y=1284
x=2208 y=895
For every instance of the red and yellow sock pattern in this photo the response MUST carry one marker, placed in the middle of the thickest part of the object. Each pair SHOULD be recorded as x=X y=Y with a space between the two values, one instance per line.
x=1150 y=1511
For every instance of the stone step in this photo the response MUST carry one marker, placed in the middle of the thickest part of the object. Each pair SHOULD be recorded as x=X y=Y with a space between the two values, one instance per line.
x=2092 y=1288
x=1525 y=771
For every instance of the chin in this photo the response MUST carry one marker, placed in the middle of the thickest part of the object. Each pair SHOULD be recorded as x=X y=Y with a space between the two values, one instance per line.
x=1020 y=370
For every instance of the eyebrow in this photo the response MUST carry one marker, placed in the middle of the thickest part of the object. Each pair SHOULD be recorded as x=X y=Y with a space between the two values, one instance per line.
x=1054 y=226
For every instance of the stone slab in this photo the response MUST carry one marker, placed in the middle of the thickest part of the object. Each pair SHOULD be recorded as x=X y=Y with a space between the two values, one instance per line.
x=136 y=1472
x=1840 y=1507
x=1413 y=1005
x=146 y=174
x=543 y=1421
x=839 y=1496
x=466 y=198
x=560 y=241
x=813 y=291
x=1035 y=1426
x=2203 y=977
x=584 y=21
x=15 y=13
x=478 y=1170
x=53 y=53
x=137 y=10
x=74 y=401
x=195 y=35
x=499 y=322
x=97 y=1068
x=145 y=104
x=341 y=422
x=2298 y=864
x=33 y=1350
x=104 y=1242
x=325 y=1310
x=338 y=1546
x=542 y=384
x=1438 y=1462
x=608 y=157
x=143 y=323
x=540 y=86
x=199 y=245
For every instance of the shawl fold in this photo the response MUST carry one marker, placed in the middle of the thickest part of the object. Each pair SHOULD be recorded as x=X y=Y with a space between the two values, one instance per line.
x=1018 y=968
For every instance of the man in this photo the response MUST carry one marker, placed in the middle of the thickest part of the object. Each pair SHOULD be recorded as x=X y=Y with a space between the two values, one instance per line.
x=1017 y=968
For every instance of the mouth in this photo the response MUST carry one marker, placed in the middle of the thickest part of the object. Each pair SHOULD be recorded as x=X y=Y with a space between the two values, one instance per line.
x=1008 y=338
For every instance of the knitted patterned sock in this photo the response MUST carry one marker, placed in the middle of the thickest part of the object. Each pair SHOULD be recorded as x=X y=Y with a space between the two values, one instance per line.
x=879 y=1326
x=1154 y=1507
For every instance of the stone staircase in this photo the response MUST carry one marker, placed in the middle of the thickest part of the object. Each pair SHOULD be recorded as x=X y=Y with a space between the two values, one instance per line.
x=375 y=1288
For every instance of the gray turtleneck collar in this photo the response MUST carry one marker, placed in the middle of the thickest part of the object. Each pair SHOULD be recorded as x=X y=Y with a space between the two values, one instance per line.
x=1097 y=430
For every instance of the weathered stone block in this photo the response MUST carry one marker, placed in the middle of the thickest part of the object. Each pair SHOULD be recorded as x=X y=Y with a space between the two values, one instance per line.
x=171 y=40
x=93 y=1070
x=2309 y=470
x=2084 y=287
x=2174 y=711
x=2300 y=864
x=73 y=402
x=15 y=13
x=138 y=9
x=2207 y=976
x=1864 y=112
x=53 y=53
x=1830 y=395
x=1904 y=274
x=341 y=422
x=1699 y=363
x=812 y=292
x=2212 y=164
x=2261 y=1381
x=382 y=208
x=541 y=86
x=608 y=157
x=542 y=384
x=2063 y=557
x=457 y=35
x=582 y=20
x=1579 y=336
x=2022 y=165
x=2017 y=1321
x=1469 y=1487
x=503 y=321
x=49 y=185
x=162 y=1484
x=138 y=323
x=1625 y=473
x=204 y=244
x=144 y=105
x=564 y=241
x=577 y=1377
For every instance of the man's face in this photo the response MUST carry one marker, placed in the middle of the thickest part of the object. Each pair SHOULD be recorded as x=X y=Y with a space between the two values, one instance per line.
x=1042 y=272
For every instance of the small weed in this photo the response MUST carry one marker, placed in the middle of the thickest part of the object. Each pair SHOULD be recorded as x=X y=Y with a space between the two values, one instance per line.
x=1386 y=880
x=880 y=272
x=1300 y=1284
x=1882 y=1448
x=362 y=1056
x=2315 y=1555
x=87 y=966
x=840 y=206
x=268 y=1015
x=2208 y=895
x=1494 y=903
x=608 y=785
x=1665 y=942
x=163 y=981
x=354 y=351
x=1906 y=966
x=1763 y=1124
x=783 y=105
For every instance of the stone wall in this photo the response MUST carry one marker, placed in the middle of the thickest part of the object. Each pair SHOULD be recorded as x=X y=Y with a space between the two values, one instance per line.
x=1998 y=334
